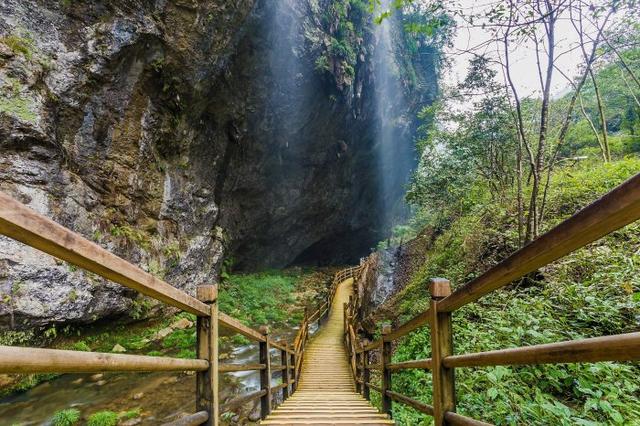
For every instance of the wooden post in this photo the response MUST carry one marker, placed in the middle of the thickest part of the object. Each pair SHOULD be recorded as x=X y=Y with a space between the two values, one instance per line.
x=265 y=374
x=284 y=355
x=295 y=380
x=207 y=348
x=358 y=372
x=366 y=373
x=444 y=395
x=386 y=373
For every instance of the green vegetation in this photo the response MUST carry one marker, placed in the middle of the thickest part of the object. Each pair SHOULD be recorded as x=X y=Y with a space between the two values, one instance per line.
x=344 y=23
x=499 y=168
x=264 y=298
x=593 y=292
x=103 y=418
x=68 y=417
x=19 y=45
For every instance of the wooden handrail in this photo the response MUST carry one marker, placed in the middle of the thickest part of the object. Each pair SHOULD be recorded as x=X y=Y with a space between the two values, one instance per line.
x=423 y=364
x=34 y=360
x=619 y=347
x=241 y=400
x=21 y=223
x=411 y=325
x=460 y=420
x=414 y=403
x=614 y=210
x=228 y=368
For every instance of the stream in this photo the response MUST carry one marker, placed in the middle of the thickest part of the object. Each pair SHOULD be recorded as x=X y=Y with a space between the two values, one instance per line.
x=161 y=396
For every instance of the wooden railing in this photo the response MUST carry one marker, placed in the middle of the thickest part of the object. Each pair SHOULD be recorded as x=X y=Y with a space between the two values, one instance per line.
x=611 y=212
x=23 y=224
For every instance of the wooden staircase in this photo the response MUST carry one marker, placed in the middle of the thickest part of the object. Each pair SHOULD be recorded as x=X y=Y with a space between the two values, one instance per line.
x=326 y=393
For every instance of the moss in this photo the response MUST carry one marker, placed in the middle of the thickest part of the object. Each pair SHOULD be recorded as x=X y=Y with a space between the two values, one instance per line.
x=19 y=45
x=20 y=107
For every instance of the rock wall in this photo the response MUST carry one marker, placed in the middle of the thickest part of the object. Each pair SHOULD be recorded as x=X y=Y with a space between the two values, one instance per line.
x=163 y=131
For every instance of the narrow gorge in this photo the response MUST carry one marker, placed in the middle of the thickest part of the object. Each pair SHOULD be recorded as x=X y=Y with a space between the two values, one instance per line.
x=179 y=134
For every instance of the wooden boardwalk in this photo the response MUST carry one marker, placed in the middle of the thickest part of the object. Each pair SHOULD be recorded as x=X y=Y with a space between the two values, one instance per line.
x=326 y=394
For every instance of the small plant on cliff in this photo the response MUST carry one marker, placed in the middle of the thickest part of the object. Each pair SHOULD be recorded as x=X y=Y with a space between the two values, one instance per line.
x=67 y=417
x=19 y=45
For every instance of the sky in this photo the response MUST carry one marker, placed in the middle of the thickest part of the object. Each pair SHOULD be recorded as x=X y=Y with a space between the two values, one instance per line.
x=524 y=70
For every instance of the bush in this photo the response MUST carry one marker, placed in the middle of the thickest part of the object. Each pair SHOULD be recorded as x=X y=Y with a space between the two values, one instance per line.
x=67 y=417
x=103 y=418
x=594 y=291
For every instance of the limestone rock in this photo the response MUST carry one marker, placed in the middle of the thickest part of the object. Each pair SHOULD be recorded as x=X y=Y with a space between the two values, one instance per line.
x=182 y=324
x=118 y=348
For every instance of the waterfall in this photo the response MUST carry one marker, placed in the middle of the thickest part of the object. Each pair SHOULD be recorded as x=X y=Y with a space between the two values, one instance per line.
x=287 y=97
x=394 y=149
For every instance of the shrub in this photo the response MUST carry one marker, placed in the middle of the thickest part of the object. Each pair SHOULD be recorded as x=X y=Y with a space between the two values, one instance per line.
x=66 y=417
x=103 y=418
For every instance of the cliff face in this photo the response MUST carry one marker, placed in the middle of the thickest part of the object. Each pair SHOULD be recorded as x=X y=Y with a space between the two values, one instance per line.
x=172 y=131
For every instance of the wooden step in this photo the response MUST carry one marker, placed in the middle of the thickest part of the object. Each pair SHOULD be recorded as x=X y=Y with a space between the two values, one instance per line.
x=326 y=391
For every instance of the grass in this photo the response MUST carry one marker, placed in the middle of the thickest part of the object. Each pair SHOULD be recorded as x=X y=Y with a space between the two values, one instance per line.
x=592 y=292
x=103 y=418
x=263 y=298
x=68 y=417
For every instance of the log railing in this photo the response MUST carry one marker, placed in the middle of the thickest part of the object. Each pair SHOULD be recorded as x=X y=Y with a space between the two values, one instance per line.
x=20 y=223
x=613 y=211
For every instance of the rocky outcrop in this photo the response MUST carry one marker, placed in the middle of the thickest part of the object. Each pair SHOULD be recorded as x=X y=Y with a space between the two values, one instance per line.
x=104 y=127
x=170 y=132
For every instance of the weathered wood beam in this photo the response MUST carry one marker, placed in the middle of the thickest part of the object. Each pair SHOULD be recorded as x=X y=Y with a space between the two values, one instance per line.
x=620 y=347
x=614 y=210
x=35 y=360
x=23 y=224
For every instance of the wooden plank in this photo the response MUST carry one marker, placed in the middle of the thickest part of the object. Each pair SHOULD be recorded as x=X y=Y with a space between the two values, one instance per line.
x=418 y=405
x=241 y=400
x=35 y=360
x=236 y=326
x=460 y=420
x=614 y=210
x=19 y=222
x=619 y=347
x=421 y=363
x=409 y=326
x=228 y=368
x=196 y=419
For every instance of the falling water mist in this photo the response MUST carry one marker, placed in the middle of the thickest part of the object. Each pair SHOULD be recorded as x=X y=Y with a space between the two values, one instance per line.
x=394 y=149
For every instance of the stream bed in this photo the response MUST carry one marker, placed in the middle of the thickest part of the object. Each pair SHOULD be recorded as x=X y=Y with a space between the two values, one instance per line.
x=160 y=396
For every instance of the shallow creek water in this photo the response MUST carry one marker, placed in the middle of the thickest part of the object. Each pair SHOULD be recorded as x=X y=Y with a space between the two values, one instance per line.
x=161 y=396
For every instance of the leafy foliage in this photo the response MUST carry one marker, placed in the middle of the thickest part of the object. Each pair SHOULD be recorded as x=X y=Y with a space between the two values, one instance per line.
x=68 y=417
x=103 y=418
x=592 y=292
